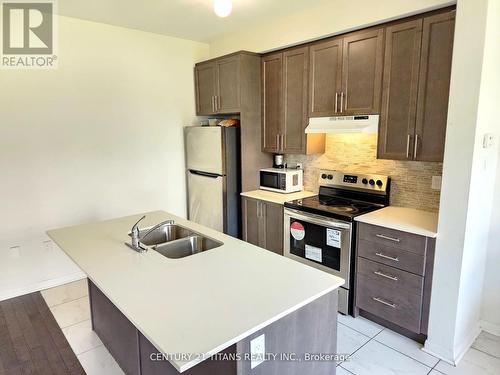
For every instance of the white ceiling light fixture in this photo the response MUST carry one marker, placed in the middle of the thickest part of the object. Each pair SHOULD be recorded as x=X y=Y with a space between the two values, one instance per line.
x=223 y=8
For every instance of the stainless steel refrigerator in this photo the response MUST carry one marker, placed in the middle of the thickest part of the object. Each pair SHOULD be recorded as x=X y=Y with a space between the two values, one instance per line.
x=213 y=177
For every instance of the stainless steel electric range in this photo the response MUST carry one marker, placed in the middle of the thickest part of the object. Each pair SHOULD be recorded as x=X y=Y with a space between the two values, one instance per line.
x=320 y=231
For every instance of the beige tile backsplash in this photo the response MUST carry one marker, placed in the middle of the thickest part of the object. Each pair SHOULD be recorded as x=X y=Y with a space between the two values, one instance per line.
x=411 y=181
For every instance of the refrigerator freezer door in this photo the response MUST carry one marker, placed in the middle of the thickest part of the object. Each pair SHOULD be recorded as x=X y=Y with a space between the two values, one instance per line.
x=206 y=200
x=204 y=149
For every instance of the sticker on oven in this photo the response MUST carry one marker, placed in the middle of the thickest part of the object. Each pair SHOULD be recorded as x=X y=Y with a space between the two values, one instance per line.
x=333 y=238
x=297 y=231
x=314 y=253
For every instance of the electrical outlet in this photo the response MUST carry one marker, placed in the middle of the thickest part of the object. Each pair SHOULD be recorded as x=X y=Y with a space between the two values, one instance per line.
x=15 y=251
x=47 y=245
x=436 y=182
x=488 y=140
x=257 y=351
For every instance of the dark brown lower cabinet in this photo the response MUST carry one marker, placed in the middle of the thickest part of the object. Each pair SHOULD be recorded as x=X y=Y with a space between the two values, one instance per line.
x=310 y=330
x=393 y=279
x=263 y=224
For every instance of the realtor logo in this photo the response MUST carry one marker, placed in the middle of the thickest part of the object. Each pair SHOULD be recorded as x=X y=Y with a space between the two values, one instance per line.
x=28 y=35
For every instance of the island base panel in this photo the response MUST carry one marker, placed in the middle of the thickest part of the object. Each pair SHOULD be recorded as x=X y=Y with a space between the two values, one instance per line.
x=116 y=332
x=310 y=330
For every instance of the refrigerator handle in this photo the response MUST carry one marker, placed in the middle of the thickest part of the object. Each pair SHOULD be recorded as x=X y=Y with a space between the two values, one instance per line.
x=205 y=174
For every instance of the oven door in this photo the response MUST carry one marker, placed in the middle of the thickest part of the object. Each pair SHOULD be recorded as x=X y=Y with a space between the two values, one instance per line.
x=318 y=241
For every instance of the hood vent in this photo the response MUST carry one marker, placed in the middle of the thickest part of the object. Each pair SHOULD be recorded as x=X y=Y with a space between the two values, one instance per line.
x=343 y=124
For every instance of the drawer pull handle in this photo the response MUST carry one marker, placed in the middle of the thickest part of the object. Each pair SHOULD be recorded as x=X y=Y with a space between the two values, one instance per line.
x=393 y=278
x=380 y=300
x=388 y=238
x=387 y=257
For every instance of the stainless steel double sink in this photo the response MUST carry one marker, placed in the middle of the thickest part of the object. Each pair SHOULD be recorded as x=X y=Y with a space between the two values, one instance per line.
x=175 y=241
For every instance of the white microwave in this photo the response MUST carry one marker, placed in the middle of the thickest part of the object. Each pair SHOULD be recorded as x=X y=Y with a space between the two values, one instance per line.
x=281 y=180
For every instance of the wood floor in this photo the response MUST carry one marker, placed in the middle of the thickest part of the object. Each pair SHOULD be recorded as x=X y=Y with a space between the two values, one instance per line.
x=31 y=342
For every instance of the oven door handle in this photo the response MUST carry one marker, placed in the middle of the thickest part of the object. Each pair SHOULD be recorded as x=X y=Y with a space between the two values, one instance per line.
x=316 y=219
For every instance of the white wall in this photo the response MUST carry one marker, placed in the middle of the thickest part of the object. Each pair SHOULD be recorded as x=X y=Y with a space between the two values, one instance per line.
x=468 y=186
x=99 y=137
x=323 y=18
x=491 y=295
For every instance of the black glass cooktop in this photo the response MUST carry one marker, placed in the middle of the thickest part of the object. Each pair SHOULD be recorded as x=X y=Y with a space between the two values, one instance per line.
x=341 y=208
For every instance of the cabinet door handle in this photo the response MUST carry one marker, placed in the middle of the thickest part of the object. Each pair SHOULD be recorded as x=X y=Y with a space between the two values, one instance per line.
x=415 y=151
x=336 y=102
x=383 y=302
x=278 y=142
x=342 y=102
x=282 y=142
x=393 y=278
x=381 y=255
x=218 y=102
x=213 y=104
x=408 y=140
x=388 y=238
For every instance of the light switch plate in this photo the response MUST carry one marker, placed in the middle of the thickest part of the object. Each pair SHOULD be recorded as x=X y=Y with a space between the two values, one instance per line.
x=436 y=182
x=257 y=351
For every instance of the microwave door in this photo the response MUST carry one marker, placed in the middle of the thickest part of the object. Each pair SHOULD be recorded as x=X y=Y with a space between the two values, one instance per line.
x=270 y=180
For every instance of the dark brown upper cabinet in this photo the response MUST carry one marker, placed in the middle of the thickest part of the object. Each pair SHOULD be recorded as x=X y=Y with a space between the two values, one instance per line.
x=205 y=78
x=416 y=84
x=434 y=86
x=325 y=78
x=345 y=74
x=400 y=86
x=362 y=72
x=272 y=102
x=285 y=103
x=218 y=86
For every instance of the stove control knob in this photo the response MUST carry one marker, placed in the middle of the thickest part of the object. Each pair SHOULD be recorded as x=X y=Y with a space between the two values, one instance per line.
x=364 y=181
x=379 y=183
x=330 y=177
x=323 y=176
x=372 y=182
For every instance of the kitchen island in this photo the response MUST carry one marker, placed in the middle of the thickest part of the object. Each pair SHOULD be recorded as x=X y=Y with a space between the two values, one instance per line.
x=200 y=313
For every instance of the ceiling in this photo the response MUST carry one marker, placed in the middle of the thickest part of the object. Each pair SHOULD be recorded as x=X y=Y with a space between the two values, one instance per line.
x=188 y=19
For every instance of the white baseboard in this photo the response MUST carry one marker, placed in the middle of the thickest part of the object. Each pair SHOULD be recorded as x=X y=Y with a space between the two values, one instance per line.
x=489 y=327
x=465 y=345
x=455 y=355
x=438 y=351
x=42 y=286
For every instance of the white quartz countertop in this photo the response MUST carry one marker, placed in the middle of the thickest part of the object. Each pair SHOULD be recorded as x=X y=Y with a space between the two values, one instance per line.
x=200 y=304
x=280 y=198
x=409 y=220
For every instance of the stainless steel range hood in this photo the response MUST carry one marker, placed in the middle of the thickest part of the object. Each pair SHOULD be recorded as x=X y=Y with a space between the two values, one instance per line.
x=343 y=124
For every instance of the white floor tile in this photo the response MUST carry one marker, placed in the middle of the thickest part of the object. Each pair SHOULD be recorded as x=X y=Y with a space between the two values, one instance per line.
x=65 y=293
x=406 y=346
x=474 y=362
x=81 y=338
x=435 y=372
x=349 y=340
x=73 y=312
x=99 y=362
x=488 y=343
x=343 y=371
x=360 y=324
x=377 y=359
